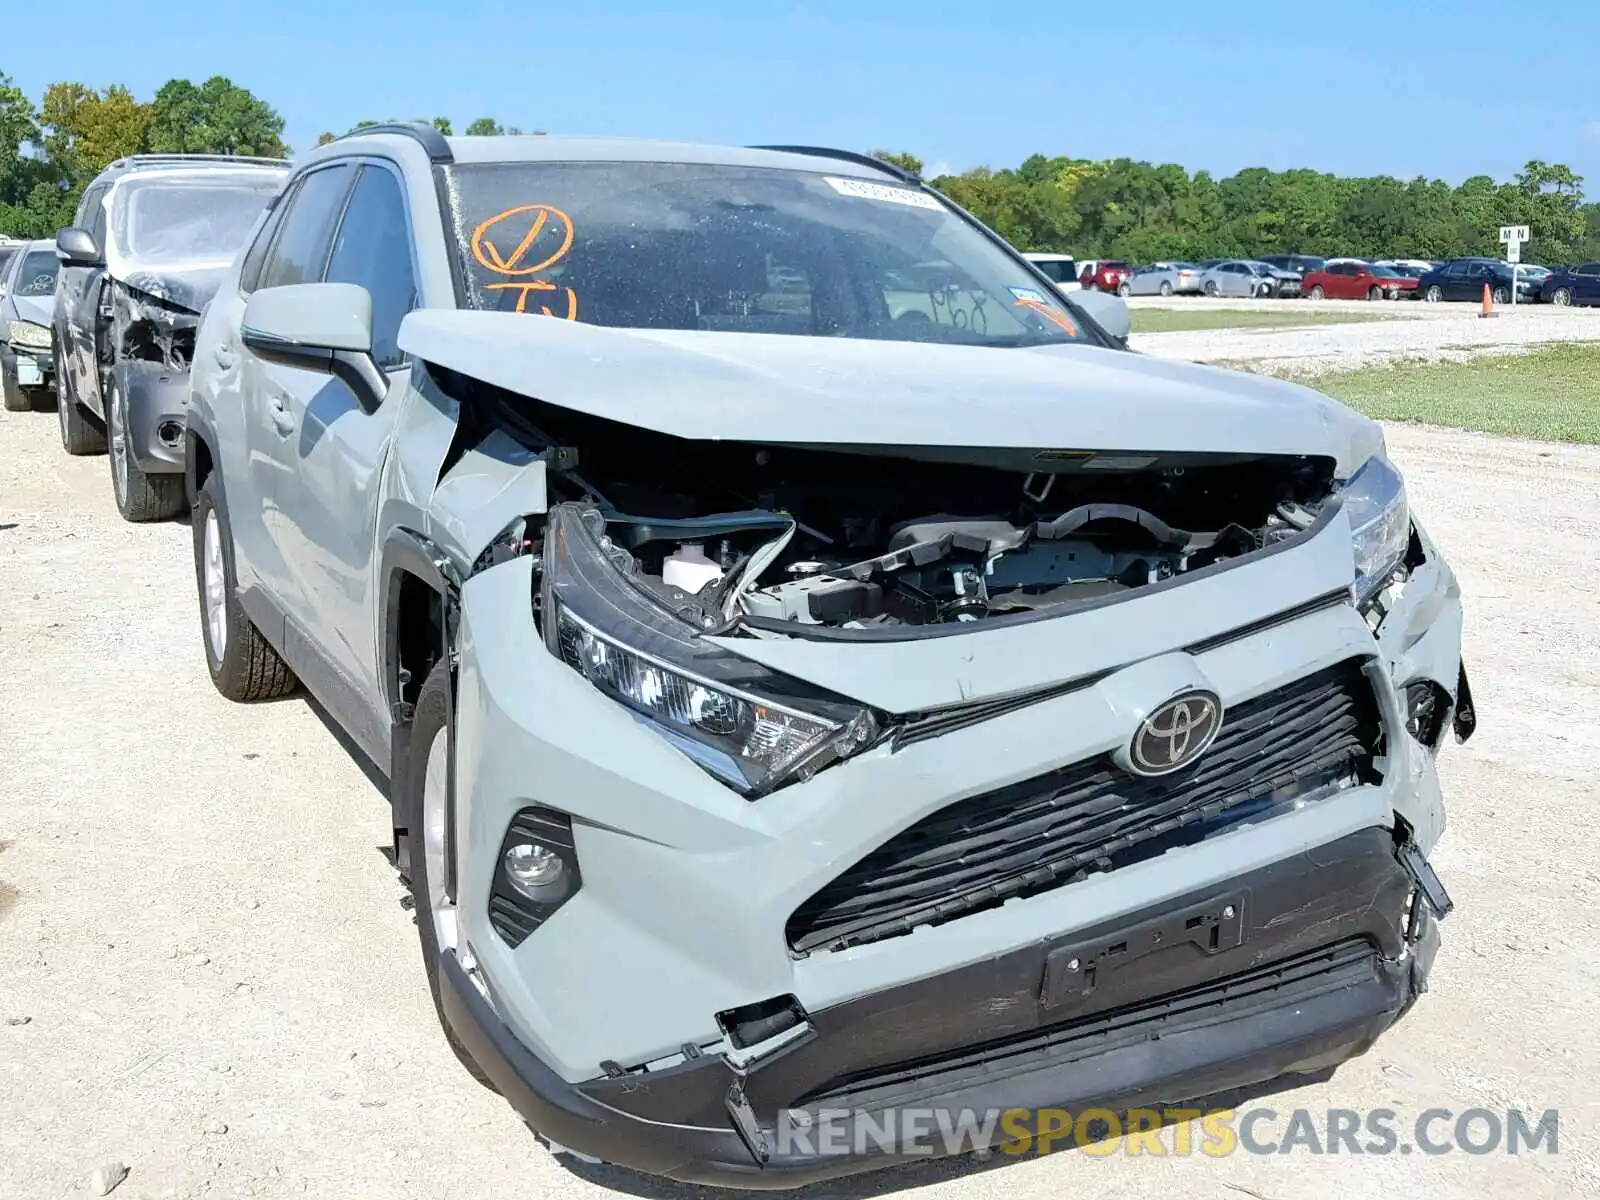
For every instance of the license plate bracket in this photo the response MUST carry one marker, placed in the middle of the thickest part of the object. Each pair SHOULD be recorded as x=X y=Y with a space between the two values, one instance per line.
x=1073 y=972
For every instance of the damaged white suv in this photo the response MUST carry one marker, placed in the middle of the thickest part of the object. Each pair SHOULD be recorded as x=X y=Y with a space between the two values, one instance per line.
x=820 y=673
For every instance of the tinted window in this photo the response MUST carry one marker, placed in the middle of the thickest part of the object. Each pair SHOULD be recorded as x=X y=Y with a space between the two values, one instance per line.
x=373 y=248
x=36 y=275
x=1060 y=272
x=7 y=253
x=301 y=250
x=250 y=272
x=1589 y=269
x=94 y=215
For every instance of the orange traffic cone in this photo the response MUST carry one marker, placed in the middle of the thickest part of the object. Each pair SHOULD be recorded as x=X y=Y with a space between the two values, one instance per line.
x=1488 y=303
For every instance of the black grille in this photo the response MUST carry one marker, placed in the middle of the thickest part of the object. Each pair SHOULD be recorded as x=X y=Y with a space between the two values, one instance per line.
x=1091 y=816
x=1238 y=997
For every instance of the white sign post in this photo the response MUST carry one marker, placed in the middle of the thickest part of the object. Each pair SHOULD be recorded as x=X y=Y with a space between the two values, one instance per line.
x=1513 y=236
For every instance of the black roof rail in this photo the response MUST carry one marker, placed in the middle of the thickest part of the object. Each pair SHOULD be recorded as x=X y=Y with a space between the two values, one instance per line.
x=429 y=138
x=850 y=156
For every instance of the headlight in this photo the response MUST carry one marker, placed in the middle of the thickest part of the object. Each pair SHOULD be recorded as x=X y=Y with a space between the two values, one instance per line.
x=751 y=727
x=27 y=334
x=1380 y=524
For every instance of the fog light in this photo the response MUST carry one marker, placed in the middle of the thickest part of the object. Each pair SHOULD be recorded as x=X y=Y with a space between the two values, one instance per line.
x=536 y=874
x=534 y=870
x=170 y=433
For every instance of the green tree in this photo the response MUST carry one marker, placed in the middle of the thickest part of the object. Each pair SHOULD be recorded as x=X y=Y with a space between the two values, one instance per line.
x=218 y=117
x=485 y=127
x=906 y=162
x=84 y=130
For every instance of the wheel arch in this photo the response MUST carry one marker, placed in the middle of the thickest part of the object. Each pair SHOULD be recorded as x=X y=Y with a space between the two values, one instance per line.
x=199 y=455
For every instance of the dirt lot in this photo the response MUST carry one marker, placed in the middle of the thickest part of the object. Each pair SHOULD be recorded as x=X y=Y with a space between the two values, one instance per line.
x=206 y=974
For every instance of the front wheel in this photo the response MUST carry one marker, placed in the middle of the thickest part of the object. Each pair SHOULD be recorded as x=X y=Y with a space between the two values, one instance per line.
x=1211 y=287
x=1124 y=290
x=1316 y=291
x=1375 y=293
x=1434 y=294
x=1166 y=289
x=139 y=496
x=1502 y=296
x=422 y=811
x=16 y=400
x=243 y=664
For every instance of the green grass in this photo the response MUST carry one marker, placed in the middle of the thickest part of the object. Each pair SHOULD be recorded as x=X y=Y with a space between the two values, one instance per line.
x=1552 y=393
x=1176 y=320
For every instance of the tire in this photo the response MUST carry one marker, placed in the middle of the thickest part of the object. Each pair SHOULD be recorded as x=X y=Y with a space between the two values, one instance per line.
x=429 y=747
x=1316 y=291
x=1211 y=287
x=1434 y=294
x=1166 y=289
x=1124 y=290
x=79 y=435
x=244 y=667
x=1561 y=298
x=1375 y=293
x=16 y=400
x=139 y=497
x=1502 y=296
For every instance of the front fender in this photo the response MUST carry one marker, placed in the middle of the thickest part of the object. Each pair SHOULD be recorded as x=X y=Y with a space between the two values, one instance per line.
x=157 y=399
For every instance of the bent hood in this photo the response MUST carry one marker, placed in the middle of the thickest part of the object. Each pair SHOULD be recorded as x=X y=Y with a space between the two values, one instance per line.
x=38 y=309
x=189 y=286
x=779 y=388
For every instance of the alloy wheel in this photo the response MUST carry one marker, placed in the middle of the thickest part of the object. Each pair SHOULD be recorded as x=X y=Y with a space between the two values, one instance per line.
x=118 y=421
x=214 y=581
x=436 y=840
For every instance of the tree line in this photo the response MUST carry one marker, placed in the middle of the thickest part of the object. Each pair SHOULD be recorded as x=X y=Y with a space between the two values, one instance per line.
x=1142 y=212
x=1120 y=208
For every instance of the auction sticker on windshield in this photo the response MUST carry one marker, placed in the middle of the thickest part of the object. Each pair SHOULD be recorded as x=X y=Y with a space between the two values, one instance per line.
x=866 y=190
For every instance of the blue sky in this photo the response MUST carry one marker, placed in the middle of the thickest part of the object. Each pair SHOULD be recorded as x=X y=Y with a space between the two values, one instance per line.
x=1357 y=87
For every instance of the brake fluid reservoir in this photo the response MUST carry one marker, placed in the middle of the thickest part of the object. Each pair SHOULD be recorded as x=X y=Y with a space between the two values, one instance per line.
x=689 y=569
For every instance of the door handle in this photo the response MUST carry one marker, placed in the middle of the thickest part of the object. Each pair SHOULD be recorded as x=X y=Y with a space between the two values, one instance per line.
x=282 y=418
x=223 y=353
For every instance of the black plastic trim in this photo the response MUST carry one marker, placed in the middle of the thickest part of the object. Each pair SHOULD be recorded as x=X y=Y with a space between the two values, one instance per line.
x=849 y=156
x=426 y=136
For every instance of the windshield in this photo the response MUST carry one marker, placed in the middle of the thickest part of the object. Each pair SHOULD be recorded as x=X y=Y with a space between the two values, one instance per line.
x=36 y=275
x=741 y=250
x=190 y=218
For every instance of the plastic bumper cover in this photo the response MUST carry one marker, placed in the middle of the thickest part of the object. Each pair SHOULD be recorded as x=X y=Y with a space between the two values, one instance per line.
x=158 y=402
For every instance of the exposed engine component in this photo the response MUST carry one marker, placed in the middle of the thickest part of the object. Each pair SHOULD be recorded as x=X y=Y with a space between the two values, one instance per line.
x=147 y=327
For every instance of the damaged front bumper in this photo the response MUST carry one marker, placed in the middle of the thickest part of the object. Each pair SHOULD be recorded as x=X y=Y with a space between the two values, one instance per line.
x=157 y=398
x=32 y=367
x=726 y=960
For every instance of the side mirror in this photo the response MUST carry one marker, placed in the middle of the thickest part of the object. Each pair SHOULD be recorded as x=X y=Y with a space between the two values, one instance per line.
x=77 y=248
x=325 y=327
x=1109 y=310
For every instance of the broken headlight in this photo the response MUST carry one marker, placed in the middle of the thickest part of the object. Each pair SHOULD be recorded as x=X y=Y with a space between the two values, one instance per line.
x=1380 y=525
x=749 y=726
x=26 y=335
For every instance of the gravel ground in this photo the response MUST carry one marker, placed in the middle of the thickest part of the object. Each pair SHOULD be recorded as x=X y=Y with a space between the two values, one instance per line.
x=1419 y=331
x=206 y=976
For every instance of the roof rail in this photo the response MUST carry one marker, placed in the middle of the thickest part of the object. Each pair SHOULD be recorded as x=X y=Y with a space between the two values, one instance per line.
x=143 y=159
x=429 y=138
x=863 y=160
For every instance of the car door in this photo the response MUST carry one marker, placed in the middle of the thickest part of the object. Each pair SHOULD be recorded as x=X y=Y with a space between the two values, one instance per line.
x=328 y=505
x=77 y=304
x=1586 y=284
x=1344 y=280
x=1239 y=281
x=1469 y=281
x=297 y=253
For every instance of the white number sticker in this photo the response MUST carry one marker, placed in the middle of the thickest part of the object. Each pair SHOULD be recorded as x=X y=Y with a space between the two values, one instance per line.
x=866 y=190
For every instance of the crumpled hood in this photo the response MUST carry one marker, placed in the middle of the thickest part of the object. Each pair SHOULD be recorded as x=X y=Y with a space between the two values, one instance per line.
x=779 y=388
x=38 y=309
x=188 y=286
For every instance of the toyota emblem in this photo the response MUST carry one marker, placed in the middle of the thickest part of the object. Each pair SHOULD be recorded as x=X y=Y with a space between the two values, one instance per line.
x=1176 y=734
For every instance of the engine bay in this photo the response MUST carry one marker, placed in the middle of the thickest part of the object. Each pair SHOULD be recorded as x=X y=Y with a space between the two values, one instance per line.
x=780 y=538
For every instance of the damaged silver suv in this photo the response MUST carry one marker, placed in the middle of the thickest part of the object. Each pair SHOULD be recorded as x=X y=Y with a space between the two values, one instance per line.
x=820 y=673
x=153 y=235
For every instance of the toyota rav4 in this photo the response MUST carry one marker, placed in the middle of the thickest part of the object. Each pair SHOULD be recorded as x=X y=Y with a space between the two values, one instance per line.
x=816 y=667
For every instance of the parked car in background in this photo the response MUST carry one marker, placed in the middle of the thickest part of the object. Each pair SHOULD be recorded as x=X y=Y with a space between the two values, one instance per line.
x=1572 y=285
x=153 y=236
x=8 y=248
x=1408 y=265
x=1285 y=282
x=1465 y=279
x=1059 y=269
x=27 y=342
x=1238 y=277
x=1354 y=280
x=1162 y=279
x=1127 y=794
x=1105 y=275
x=1302 y=264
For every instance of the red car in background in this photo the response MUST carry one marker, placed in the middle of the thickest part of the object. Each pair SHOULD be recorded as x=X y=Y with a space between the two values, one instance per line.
x=1356 y=281
x=1106 y=276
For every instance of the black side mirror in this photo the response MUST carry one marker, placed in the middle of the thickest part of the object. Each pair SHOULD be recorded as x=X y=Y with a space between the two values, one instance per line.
x=77 y=248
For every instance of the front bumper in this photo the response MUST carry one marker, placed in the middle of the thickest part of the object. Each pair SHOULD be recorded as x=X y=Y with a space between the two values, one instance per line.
x=158 y=405
x=1321 y=953
x=33 y=367
x=688 y=889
